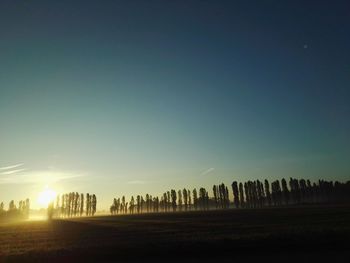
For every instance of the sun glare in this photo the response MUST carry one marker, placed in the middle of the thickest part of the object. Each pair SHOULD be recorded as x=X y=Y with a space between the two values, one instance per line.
x=46 y=196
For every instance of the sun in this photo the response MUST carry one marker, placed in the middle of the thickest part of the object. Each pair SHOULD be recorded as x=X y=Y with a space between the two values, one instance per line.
x=47 y=196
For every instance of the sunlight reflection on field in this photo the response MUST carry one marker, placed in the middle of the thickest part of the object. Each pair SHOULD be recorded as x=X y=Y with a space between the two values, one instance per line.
x=37 y=217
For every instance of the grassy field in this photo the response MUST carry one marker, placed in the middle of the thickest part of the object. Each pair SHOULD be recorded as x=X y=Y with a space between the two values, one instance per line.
x=301 y=234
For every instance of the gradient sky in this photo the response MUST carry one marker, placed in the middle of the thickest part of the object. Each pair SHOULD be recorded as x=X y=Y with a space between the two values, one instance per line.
x=129 y=97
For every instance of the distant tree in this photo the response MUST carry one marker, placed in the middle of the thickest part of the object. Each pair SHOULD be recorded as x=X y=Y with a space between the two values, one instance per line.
x=235 y=194
x=185 y=197
x=227 y=197
x=151 y=203
x=81 y=204
x=260 y=193
x=94 y=204
x=295 y=190
x=276 y=193
x=202 y=200
x=62 y=205
x=157 y=202
x=189 y=199
x=310 y=192
x=138 y=204
x=123 y=204
x=126 y=208
x=50 y=210
x=253 y=193
x=2 y=208
x=132 y=204
x=165 y=202
x=267 y=192
x=87 y=204
x=76 y=204
x=195 y=199
x=27 y=207
x=285 y=191
x=173 y=199
x=303 y=189
x=12 y=205
x=169 y=200
x=206 y=200
x=70 y=203
x=241 y=195
x=179 y=198
x=58 y=210
x=147 y=203
x=215 y=194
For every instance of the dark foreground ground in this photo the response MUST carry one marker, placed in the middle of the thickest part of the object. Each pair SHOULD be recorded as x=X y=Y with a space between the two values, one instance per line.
x=295 y=234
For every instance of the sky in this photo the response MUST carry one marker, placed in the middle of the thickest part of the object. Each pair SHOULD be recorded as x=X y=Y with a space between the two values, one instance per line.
x=133 y=97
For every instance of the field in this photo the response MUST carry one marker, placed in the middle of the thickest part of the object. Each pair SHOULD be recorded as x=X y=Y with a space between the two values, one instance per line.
x=294 y=234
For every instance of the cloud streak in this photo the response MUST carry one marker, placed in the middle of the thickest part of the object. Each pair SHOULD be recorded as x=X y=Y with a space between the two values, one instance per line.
x=11 y=166
x=136 y=182
x=12 y=171
x=39 y=177
x=207 y=171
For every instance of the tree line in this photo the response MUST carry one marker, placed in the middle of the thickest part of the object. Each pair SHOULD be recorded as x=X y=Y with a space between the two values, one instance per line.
x=73 y=204
x=255 y=194
x=15 y=212
x=250 y=194
x=172 y=200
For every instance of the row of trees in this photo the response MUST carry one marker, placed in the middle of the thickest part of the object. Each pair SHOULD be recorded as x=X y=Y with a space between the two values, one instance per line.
x=253 y=194
x=172 y=200
x=250 y=194
x=73 y=204
x=15 y=212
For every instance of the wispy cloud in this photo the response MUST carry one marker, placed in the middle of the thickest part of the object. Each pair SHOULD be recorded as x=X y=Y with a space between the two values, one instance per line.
x=207 y=171
x=11 y=166
x=12 y=171
x=41 y=177
x=136 y=182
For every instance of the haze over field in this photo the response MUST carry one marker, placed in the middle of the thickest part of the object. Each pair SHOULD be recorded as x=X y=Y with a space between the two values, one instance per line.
x=126 y=97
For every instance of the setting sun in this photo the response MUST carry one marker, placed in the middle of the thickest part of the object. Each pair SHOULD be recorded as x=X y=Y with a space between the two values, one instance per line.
x=46 y=196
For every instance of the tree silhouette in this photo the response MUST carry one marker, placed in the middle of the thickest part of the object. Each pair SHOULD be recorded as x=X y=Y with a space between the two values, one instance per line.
x=215 y=194
x=241 y=195
x=94 y=204
x=285 y=191
x=2 y=208
x=247 y=195
x=302 y=185
x=87 y=204
x=203 y=199
x=267 y=192
x=147 y=203
x=132 y=204
x=169 y=200
x=50 y=210
x=189 y=199
x=195 y=199
x=179 y=198
x=235 y=194
x=185 y=197
x=173 y=199
x=27 y=208
x=58 y=209
x=260 y=193
x=295 y=190
x=276 y=193
x=81 y=204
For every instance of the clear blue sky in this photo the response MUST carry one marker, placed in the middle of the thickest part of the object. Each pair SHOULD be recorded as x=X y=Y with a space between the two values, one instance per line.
x=128 y=97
